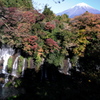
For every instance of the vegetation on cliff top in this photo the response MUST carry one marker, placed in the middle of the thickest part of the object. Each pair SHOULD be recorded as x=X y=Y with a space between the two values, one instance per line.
x=45 y=35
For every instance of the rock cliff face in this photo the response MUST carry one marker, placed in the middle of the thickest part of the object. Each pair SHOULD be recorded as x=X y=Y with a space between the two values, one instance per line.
x=78 y=10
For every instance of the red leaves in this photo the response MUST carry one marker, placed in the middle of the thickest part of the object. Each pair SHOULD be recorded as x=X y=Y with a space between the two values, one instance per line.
x=34 y=47
x=24 y=27
x=28 y=17
x=30 y=44
x=32 y=16
x=18 y=25
x=31 y=39
x=49 y=26
x=1 y=22
x=52 y=44
x=88 y=22
x=12 y=9
x=15 y=17
x=87 y=19
x=40 y=17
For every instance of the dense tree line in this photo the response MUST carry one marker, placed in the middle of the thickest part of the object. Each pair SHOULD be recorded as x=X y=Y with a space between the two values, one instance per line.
x=45 y=35
x=17 y=3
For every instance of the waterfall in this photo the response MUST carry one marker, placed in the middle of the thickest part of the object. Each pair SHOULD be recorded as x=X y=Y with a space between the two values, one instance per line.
x=78 y=67
x=69 y=63
x=97 y=67
x=69 y=66
x=6 y=80
x=43 y=70
x=66 y=68
x=24 y=65
x=15 y=66
x=5 y=53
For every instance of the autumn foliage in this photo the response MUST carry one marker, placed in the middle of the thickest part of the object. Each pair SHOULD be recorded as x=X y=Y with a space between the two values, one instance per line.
x=49 y=26
x=52 y=45
x=41 y=35
x=30 y=44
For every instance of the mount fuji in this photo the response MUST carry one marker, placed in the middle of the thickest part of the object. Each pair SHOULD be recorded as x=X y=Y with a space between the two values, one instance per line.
x=79 y=9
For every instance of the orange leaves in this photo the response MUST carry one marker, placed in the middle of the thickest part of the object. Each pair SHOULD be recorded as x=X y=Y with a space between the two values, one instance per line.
x=40 y=51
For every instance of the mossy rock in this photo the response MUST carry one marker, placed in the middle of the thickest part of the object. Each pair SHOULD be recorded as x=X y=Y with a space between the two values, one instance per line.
x=10 y=64
x=29 y=61
x=20 y=64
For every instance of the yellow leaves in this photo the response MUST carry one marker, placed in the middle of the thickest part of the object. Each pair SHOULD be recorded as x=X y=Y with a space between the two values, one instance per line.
x=78 y=52
x=39 y=61
x=64 y=51
x=81 y=44
x=82 y=31
x=82 y=40
x=89 y=80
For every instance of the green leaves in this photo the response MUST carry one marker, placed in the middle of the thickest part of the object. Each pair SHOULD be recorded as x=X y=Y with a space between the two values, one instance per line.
x=47 y=35
x=56 y=58
x=49 y=15
x=18 y=3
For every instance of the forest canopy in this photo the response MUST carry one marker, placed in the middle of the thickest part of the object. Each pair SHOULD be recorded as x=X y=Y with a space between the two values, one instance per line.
x=45 y=35
x=17 y=3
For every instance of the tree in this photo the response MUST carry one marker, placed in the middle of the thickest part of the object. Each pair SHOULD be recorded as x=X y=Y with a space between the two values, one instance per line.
x=49 y=15
x=26 y=4
x=88 y=28
x=58 y=1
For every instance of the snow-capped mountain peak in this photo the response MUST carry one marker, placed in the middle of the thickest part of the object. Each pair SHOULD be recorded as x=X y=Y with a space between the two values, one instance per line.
x=82 y=5
x=79 y=9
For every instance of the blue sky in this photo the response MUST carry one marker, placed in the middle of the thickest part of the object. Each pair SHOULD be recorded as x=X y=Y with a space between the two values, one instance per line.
x=59 y=7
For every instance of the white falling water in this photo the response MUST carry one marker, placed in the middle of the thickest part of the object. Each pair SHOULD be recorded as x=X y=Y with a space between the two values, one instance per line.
x=15 y=66
x=23 y=68
x=5 y=53
x=6 y=80
x=69 y=66
x=77 y=67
